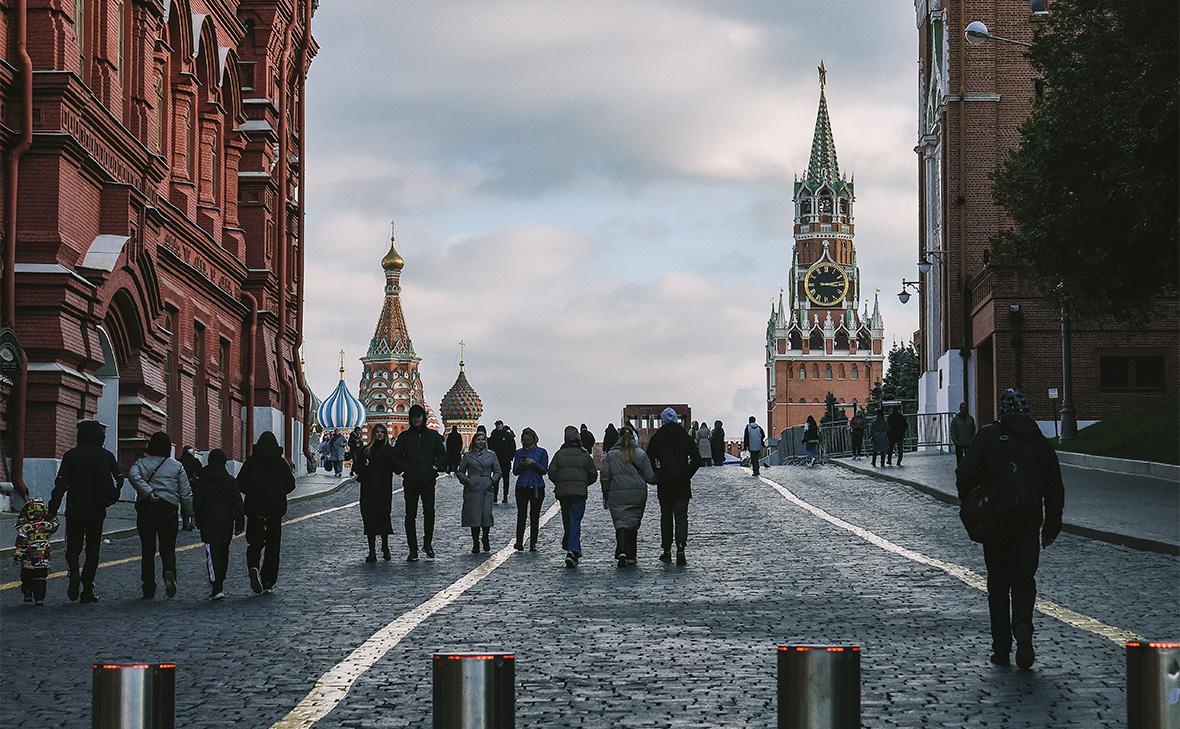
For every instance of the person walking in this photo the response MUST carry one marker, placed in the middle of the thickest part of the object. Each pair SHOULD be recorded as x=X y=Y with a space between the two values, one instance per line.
x=609 y=438
x=704 y=442
x=856 y=429
x=754 y=440
x=502 y=441
x=572 y=471
x=454 y=449
x=718 y=444
x=265 y=480
x=626 y=472
x=217 y=504
x=530 y=464
x=375 y=468
x=163 y=494
x=89 y=476
x=1014 y=449
x=587 y=439
x=962 y=432
x=336 y=452
x=676 y=461
x=880 y=437
x=479 y=472
x=192 y=464
x=811 y=440
x=897 y=429
x=356 y=444
x=419 y=454
x=34 y=528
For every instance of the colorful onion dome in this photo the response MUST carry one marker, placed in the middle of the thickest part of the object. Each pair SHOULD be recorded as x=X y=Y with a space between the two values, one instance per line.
x=341 y=410
x=461 y=402
x=432 y=420
x=393 y=260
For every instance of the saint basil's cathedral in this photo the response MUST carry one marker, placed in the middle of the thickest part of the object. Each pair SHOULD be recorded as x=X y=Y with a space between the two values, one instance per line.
x=819 y=342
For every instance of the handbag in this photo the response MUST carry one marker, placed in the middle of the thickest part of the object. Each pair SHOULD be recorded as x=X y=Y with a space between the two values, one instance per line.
x=989 y=508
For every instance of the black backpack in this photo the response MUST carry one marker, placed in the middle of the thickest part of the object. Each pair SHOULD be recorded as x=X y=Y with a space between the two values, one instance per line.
x=989 y=508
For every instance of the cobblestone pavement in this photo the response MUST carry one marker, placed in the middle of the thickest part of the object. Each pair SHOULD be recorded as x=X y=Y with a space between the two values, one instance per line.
x=655 y=645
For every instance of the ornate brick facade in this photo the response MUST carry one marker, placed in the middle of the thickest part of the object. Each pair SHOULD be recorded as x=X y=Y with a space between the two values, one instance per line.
x=158 y=222
x=982 y=328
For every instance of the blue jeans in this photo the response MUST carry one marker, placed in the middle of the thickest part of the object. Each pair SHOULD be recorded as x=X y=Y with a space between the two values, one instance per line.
x=573 y=508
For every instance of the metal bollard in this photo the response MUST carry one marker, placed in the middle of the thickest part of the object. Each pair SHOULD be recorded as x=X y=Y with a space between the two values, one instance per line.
x=819 y=687
x=474 y=691
x=133 y=696
x=1153 y=685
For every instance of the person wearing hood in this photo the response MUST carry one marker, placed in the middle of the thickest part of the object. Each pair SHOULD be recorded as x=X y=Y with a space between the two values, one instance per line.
x=609 y=438
x=34 y=529
x=812 y=440
x=163 y=494
x=897 y=429
x=856 y=428
x=718 y=443
x=479 y=472
x=217 y=503
x=502 y=441
x=676 y=461
x=754 y=440
x=704 y=441
x=265 y=480
x=626 y=472
x=880 y=437
x=572 y=471
x=962 y=432
x=89 y=476
x=530 y=464
x=419 y=454
x=587 y=438
x=192 y=464
x=375 y=468
x=1014 y=449
x=356 y=444
x=454 y=449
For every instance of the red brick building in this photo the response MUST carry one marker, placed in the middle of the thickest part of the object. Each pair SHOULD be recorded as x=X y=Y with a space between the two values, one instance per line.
x=820 y=343
x=982 y=328
x=153 y=260
x=645 y=419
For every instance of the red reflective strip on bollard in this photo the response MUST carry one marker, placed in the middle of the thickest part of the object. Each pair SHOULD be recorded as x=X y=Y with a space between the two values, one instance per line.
x=1163 y=645
x=107 y=666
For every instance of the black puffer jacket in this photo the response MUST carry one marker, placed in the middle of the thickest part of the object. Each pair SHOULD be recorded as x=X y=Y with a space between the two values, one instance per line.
x=676 y=459
x=265 y=480
x=419 y=453
x=1038 y=474
x=218 y=504
x=89 y=474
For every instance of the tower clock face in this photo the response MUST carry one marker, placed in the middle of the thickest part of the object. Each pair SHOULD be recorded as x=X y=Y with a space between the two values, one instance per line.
x=826 y=284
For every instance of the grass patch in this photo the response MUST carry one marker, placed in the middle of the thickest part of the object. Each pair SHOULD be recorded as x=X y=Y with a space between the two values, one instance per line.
x=1149 y=434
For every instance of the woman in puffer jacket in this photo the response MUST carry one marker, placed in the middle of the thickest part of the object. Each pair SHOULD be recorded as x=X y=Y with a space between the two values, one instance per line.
x=163 y=494
x=626 y=472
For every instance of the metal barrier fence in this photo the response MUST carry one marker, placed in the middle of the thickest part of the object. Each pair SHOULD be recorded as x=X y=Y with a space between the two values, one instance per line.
x=927 y=431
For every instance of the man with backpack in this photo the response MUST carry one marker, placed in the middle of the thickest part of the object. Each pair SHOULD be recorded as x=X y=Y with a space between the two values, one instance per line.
x=1017 y=465
x=676 y=460
x=753 y=440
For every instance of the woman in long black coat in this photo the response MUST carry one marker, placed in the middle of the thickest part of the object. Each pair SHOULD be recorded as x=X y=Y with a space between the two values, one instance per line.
x=374 y=468
x=718 y=444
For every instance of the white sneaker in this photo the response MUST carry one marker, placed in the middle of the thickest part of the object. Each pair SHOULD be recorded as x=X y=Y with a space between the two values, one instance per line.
x=217 y=596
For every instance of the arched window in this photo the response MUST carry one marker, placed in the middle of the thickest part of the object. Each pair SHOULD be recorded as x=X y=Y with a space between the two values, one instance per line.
x=827 y=372
x=841 y=373
x=802 y=372
x=790 y=372
x=855 y=372
x=802 y=400
x=815 y=370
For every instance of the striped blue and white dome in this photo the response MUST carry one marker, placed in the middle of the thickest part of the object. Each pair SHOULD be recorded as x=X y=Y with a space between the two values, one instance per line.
x=341 y=410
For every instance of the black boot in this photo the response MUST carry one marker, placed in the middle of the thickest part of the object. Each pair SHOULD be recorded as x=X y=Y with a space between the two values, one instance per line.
x=475 y=540
x=372 y=556
x=75 y=584
x=385 y=554
x=487 y=539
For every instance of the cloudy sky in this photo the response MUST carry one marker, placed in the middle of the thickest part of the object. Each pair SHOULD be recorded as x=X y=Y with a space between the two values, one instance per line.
x=594 y=196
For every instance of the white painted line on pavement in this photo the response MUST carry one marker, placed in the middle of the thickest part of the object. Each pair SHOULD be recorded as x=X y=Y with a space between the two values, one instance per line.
x=973 y=579
x=198 y=545
x=333 y=686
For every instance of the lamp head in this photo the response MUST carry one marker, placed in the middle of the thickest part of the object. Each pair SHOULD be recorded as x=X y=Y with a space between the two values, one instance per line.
x=904 y=296
x=976 y=33
x=924 y=266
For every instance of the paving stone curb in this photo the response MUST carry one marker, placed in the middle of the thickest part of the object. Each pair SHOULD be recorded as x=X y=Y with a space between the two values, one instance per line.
x=131 y=531
x=1126 y=540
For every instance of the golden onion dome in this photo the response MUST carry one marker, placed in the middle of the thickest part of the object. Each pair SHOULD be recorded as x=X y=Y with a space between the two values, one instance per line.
x=393 y=260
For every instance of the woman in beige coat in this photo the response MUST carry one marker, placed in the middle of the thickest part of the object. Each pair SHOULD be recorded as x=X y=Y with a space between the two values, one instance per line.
x=705 y=444
x=479 y=472
x=626 y=472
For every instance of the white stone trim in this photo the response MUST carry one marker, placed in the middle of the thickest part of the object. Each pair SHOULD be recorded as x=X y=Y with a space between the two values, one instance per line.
x=59 y=367
x=104 y=252
x=50 y=268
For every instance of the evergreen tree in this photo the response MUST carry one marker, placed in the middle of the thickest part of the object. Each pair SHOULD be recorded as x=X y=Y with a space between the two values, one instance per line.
x=832 y=414
x=1092 y=186
x=901 y=379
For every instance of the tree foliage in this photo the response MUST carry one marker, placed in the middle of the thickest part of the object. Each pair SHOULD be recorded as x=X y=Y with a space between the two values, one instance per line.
x=901 y=379
x=1092 y=187
x=832 y=414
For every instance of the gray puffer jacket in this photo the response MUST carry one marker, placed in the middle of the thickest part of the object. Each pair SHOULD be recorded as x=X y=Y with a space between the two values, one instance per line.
x=572 y=471
x=165 y=478
x=626 y=483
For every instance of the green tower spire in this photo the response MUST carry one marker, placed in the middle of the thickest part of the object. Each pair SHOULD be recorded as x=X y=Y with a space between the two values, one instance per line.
x=822 y=167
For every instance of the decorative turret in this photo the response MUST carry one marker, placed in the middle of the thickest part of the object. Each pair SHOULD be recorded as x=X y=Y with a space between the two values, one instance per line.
x=461 y=406
x=341 y=410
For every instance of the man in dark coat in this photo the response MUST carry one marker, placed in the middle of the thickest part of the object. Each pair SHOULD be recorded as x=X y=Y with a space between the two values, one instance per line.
x=356 y=442
x=265 y=479
x=502 y=442
x=455 y=449
x=609 y=438
x=897 y=429
x=90 y=476
x=676 y=459
x=217 y=503
x=588 y=439
x=418 y=455
x=1016 y=446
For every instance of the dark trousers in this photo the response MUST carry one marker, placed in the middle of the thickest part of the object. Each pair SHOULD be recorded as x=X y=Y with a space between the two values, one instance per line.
x=157 y=526
x=528 y=508
x=960 y=451
x=264 y=540
x=626 y=543
x=506 y=473
x=858 y=439
x=755 y=458
x=895 y=441
x=217 y=562
x=32 y=581
x=673 y=522
x=1011 y=584
x=81 y=530
x=413 y=492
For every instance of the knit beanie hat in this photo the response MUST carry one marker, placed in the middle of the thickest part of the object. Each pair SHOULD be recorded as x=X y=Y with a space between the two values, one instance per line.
x=1013 y=402
x=669 y=416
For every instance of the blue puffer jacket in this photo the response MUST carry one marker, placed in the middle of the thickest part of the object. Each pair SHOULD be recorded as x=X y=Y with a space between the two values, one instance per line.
x=531 y=476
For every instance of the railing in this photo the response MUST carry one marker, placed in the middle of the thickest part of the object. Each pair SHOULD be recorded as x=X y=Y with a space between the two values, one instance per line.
x=925 y=431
